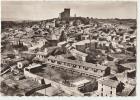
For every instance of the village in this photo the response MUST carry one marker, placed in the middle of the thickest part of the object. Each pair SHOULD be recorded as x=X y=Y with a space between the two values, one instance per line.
x=69 y=56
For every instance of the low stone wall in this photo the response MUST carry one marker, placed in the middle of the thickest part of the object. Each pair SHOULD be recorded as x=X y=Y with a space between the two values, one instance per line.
x=66 y=89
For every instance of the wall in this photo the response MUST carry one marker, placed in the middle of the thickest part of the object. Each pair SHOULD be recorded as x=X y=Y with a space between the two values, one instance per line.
x=68 y=90
x=106 y=90
x=90 y=71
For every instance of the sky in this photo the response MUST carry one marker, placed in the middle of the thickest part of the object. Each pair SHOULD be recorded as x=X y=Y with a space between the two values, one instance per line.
x=41 y=10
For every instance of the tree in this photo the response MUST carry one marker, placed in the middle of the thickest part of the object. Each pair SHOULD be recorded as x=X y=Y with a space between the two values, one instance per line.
x=89 y=87
x=50 y=73
x=120 y=87
x=107 y=71
x=65 y=77
x=62 y=36
x=12 y=56
x=29 y=57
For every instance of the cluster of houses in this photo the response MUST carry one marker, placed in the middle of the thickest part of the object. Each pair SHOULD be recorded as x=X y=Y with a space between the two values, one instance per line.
x=99 y=50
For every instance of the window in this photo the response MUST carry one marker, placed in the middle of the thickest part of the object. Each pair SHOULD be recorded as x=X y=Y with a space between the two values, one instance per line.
x=101 y=89
x=58 y=62
x=74 y=66
x=68 y=64
x=64 y=63
x=95 y=70
x=79 y=66
x=110 y=92
x=53 y=61
x=101 y=94
x=86 y=68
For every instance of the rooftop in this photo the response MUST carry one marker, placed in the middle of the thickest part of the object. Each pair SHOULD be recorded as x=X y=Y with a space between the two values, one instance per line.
x=81 y=82
x=121 y=56
x=109 y=82
x=112 y=65
x=81 y=63
x=50 y=91
x=25 y=62
x=129 y=65
x=84 y=41
x=78 y=52
x=127 y=90
x=33 y=66
x=42 y=53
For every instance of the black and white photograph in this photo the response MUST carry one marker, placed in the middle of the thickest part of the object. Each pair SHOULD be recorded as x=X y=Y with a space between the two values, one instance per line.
x=68 y=48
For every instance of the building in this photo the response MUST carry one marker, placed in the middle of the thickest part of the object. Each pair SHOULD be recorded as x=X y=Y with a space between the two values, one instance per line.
x=4 y=59
x=50 y=91
x=79 y=55
x=127 y=77
x=29 y=72
x=107 y=87
x=80 y=82
x=22 y=64
x=50 y=24
x=50 y=49
x=80 y=67
x=129 y=66
x=120 y=84
x=60 y=44
x=39 y=45
x=41 y=55
x=84 y=37
x=15 y=41
x=82 y=45
x=65 y=14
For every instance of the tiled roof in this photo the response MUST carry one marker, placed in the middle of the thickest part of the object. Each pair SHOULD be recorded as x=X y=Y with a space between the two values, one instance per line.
x=78 y=52
x=81 y=63
x=129 y=65
x=121 y=56
x=109 y=82
x=42 y=53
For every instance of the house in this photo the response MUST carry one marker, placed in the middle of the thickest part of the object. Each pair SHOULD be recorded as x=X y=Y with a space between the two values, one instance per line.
x=4 y=58
x=123 y=27
x=32 y=67
x=129 y=66
x=81 y=67
x=70 y=40
x=18 y=59
x=84 y=37
x=79 y=55
x=119 y=56
x=15 y=41
x=80 y=82
x=127 y=77
x=41 y=55
x=50 y=91
x=82 y=45
x=60 y=44
x=52 y=42
x=113 y=66
x=37 y=46
x=50 y=24
x=107 y=87
x=50 y=49
x=22 y=64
